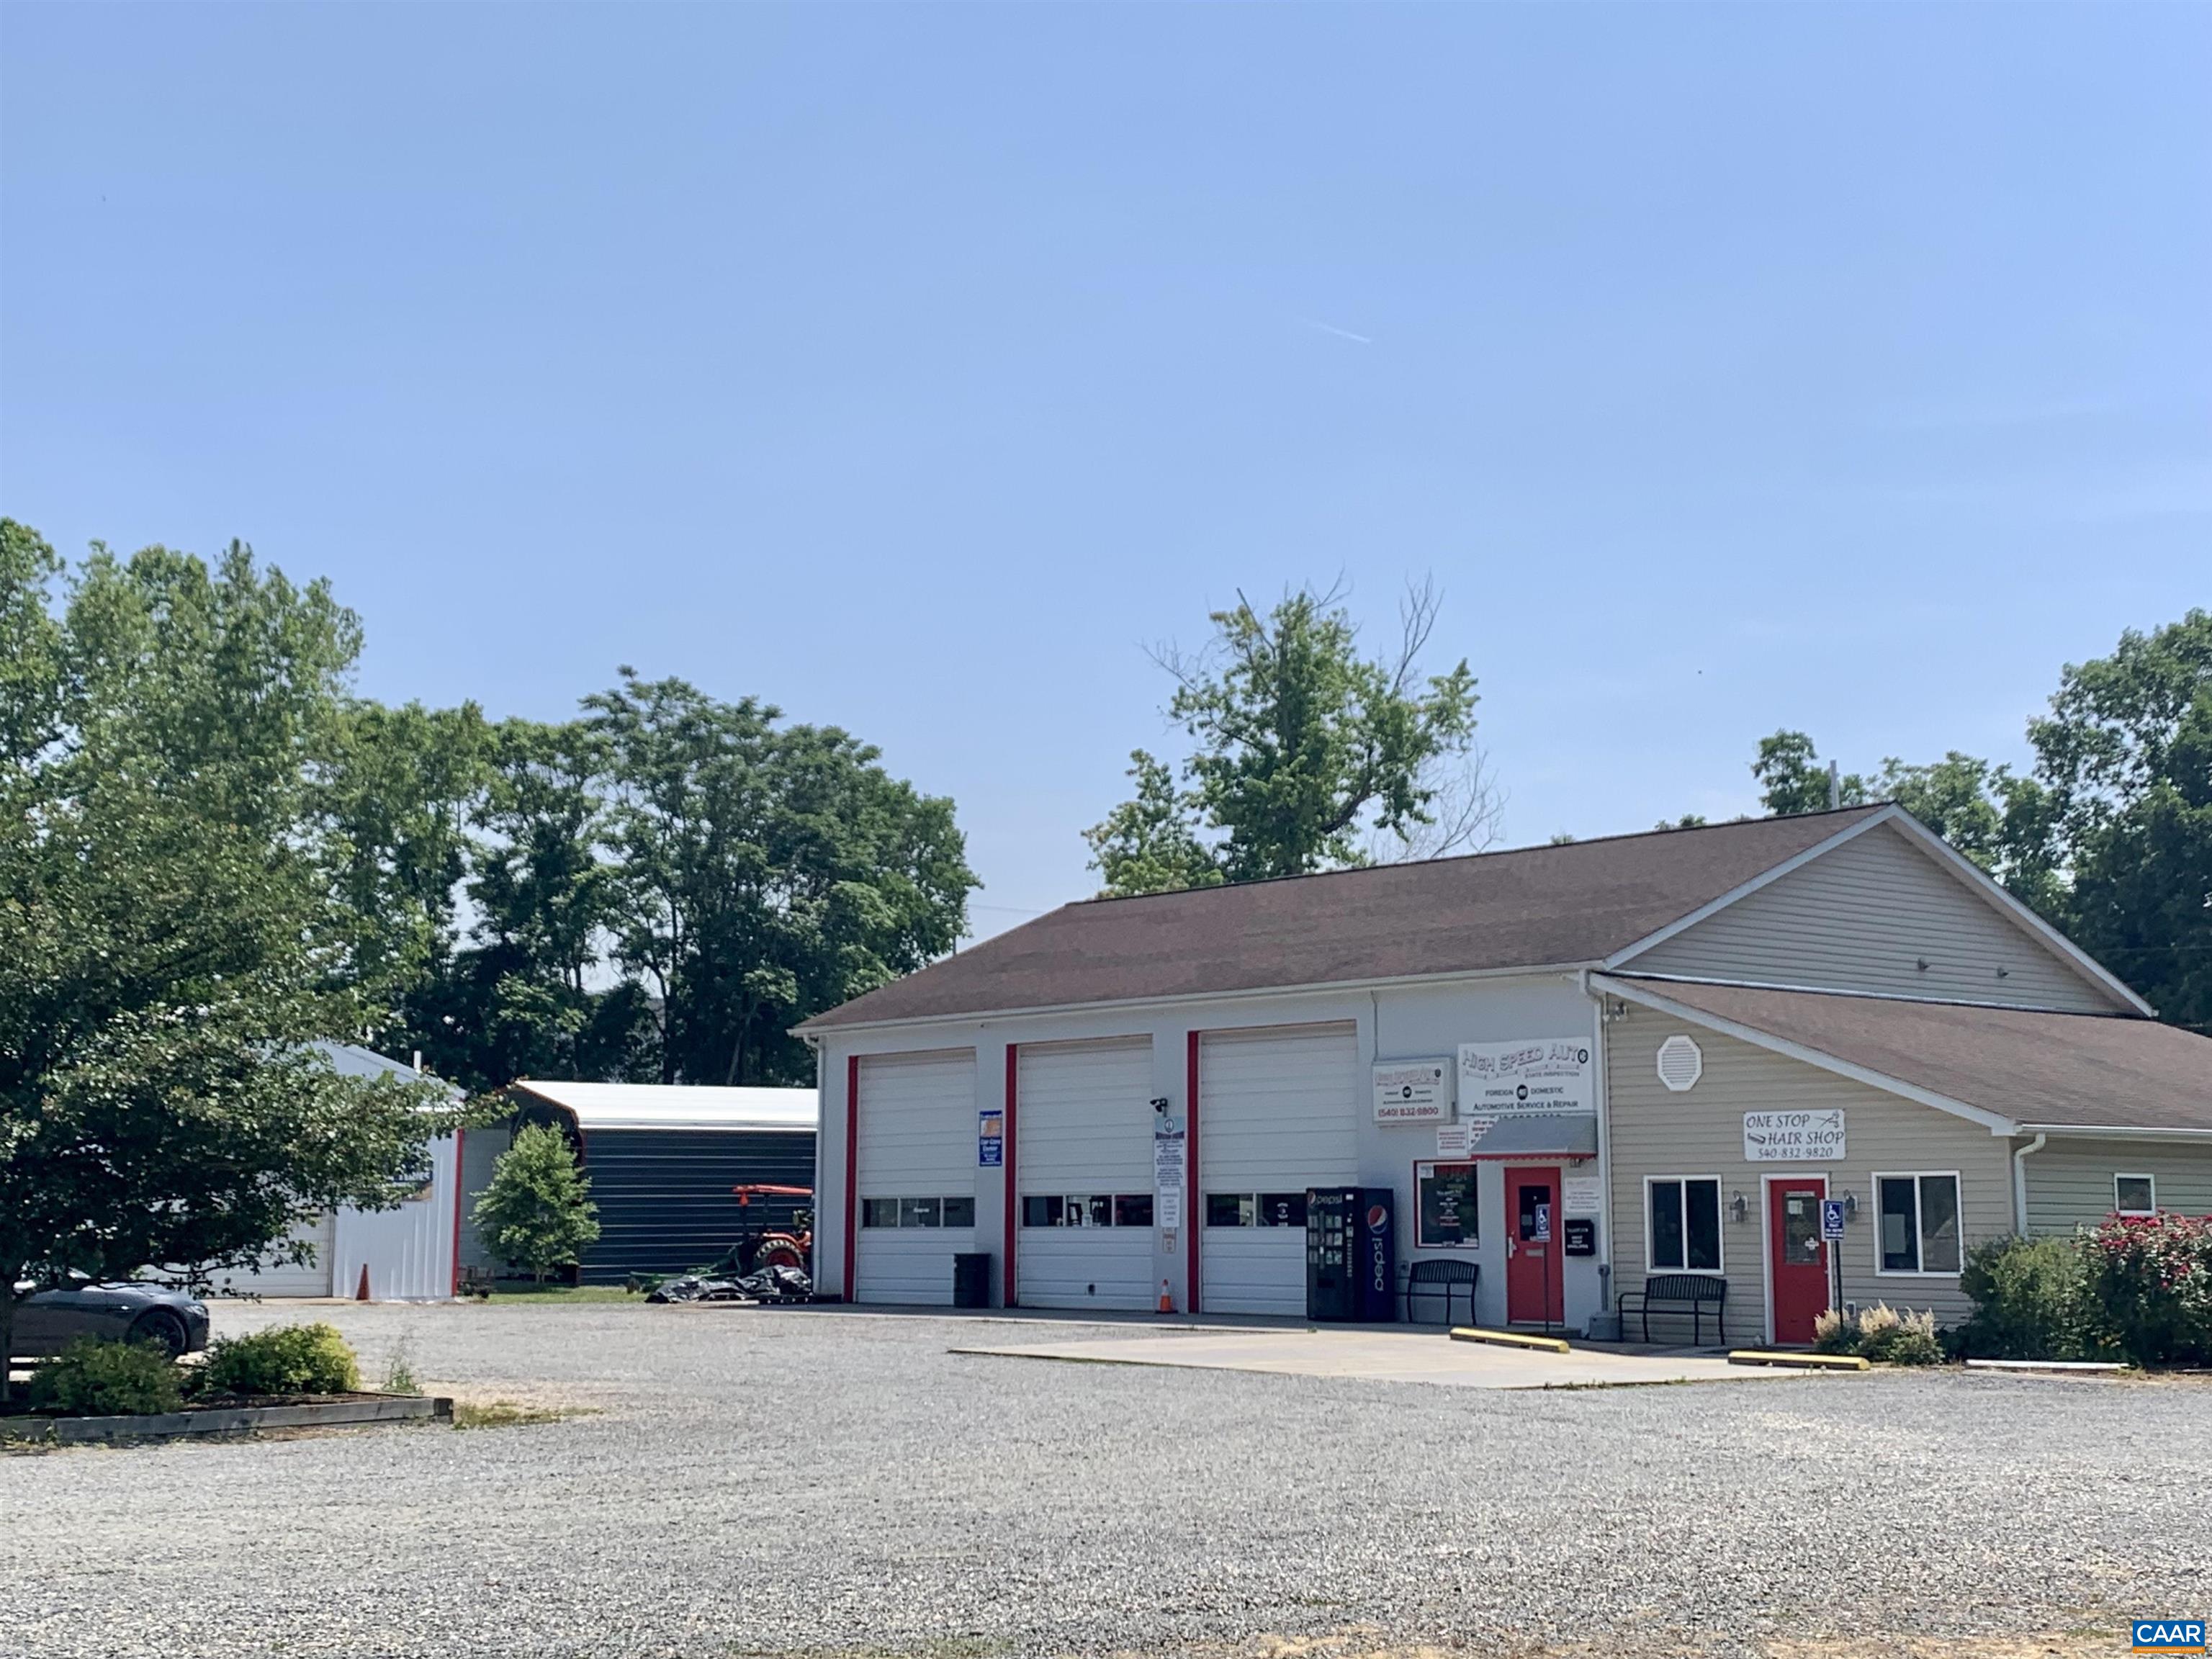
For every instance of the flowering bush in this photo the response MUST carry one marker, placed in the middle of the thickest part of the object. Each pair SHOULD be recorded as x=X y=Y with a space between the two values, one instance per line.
x=2147 y=1283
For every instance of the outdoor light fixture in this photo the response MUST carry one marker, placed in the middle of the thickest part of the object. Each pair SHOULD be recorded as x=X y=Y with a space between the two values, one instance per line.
x=1850 y=1204
x=1738 y=1210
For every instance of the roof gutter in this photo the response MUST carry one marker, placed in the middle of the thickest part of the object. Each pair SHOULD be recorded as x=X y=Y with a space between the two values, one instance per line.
x=813 y=1029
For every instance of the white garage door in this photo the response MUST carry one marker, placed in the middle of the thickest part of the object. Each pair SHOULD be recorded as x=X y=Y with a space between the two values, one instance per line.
x=917 y=1175
x=1278 y=1113
x=1083 y=1171
x=313 y=1280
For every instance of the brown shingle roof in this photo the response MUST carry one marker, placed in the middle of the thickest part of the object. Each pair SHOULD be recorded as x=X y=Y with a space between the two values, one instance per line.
x=1535 y=907
x=2043 y=1070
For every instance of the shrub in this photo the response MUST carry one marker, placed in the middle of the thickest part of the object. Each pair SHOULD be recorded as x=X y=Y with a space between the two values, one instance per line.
x=2147 y=1283
x=537 y=1211
x=2028 y=1300
x=283 y=1360
x=96 y=1376
x=1881 y=1333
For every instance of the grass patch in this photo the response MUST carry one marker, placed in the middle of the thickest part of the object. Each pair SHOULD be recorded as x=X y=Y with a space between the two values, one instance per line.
x=565 y=1293
x=507 y=1415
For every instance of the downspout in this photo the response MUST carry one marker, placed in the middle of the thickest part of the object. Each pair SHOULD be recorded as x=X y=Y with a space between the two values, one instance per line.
x=1604 y=1144
x=2019 y=1157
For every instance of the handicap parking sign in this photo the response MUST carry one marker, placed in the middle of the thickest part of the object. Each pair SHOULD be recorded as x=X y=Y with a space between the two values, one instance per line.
x=1832 y=1218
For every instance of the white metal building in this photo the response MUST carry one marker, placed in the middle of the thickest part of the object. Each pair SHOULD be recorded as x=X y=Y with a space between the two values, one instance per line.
x=1575 y=1066
x=404 y=1255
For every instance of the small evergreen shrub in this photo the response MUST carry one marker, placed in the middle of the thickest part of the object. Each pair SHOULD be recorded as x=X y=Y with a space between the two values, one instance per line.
x=283 y=1360
x=96 y=1376
x=537 y=1213
x=2028 y=1300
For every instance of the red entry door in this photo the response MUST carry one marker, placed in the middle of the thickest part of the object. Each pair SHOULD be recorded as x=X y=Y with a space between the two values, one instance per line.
x=1533 y=1282
x=1800 y=1258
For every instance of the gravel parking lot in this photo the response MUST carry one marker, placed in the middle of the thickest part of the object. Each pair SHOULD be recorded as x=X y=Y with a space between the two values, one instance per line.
x=819 y=1482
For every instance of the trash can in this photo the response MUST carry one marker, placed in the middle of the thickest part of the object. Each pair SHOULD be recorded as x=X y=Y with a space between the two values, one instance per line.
x=971 y=1279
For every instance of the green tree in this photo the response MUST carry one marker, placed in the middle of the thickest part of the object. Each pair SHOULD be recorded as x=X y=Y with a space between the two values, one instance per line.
x=1306 y=755
x=401 y=794
x=1149 y=843
x=1792 y=780
x=171 y=943
x=537 y=1211
x=765 y=873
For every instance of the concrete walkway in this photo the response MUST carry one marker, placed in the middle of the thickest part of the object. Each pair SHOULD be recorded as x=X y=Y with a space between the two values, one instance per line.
x=1387 y=1356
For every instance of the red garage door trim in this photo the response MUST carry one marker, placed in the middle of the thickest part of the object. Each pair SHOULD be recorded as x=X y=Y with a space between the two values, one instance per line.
x=1007 y=1150
x=852 y=1177
x=1191 y=1202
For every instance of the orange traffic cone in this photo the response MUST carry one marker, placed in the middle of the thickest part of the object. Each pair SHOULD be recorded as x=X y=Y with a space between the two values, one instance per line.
x=1167 y=1302
x=361 y=1291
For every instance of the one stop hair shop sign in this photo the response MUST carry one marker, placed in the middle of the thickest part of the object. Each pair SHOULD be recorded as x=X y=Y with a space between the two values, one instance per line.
x=1793 y=1137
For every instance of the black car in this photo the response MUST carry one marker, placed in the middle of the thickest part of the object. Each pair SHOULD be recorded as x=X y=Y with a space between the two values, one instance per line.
x=143 y=1313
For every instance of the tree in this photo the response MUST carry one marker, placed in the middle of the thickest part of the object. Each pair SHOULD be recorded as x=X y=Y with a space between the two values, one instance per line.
x=170 y=939
x=765 y=873
x=537 y=1211
x=1149 y=843
x=1307 y=755
x=1792 y=780
x=399 y=795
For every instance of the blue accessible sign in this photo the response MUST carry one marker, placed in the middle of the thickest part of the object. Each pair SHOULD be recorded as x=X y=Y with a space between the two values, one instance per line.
x=1832 y=1218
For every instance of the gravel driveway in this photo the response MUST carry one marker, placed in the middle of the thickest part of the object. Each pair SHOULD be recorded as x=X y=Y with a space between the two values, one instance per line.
x=813 y=1481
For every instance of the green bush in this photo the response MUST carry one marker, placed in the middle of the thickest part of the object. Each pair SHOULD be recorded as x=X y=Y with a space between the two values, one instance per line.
x=2029 y=1296
x=283 y=1360
x=1834 y=1333
x=96 y=1376
x=2147 y=1283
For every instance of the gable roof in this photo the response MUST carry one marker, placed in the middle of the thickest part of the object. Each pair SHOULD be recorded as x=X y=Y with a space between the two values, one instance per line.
x=658 y=1106
x=1535 y=907
x=2023 y=1069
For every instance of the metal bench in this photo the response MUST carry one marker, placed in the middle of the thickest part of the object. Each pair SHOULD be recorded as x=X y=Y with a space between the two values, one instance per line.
x=1439 y=1278
x=1696 y=1292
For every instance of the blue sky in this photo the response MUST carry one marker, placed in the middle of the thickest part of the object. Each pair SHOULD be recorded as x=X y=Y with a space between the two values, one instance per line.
x=1847 y=369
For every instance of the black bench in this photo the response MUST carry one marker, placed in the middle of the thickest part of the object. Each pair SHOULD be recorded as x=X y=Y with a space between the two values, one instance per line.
x=1439 y=1278
x=1696 y=1292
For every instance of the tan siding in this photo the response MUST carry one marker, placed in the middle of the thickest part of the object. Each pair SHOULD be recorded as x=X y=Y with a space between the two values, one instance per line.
x=1654 y=1132
x=1862 y=918
x=2069 y=1182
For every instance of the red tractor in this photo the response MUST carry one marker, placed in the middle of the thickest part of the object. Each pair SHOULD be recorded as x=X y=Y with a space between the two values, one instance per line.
x=760 y=1244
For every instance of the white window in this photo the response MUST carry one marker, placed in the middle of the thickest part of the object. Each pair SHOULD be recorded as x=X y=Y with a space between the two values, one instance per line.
x=1087 y=1210
x=918 y=1212
x=1682 y=1224
x=2135 y=1194
x=1916 y=1223
x=1255 y=1209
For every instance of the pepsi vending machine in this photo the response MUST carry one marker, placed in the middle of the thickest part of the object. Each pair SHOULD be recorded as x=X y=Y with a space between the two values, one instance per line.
x=1352 y=1255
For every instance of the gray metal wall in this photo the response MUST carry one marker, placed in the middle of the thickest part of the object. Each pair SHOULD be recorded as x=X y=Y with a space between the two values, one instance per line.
x=664 y=1195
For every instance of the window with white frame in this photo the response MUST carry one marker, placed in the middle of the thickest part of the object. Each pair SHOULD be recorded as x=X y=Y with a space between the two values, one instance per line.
x=2135 y=1194
x=1682 y=1228
x=1916 y=1223
x=1087 y=1210
x=957 y=1212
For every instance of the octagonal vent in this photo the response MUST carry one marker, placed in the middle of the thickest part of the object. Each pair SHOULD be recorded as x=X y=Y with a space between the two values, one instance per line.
x=1682 y=1063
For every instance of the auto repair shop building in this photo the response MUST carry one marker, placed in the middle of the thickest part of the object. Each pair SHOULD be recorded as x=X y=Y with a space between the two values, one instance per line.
x=1574 y=1066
